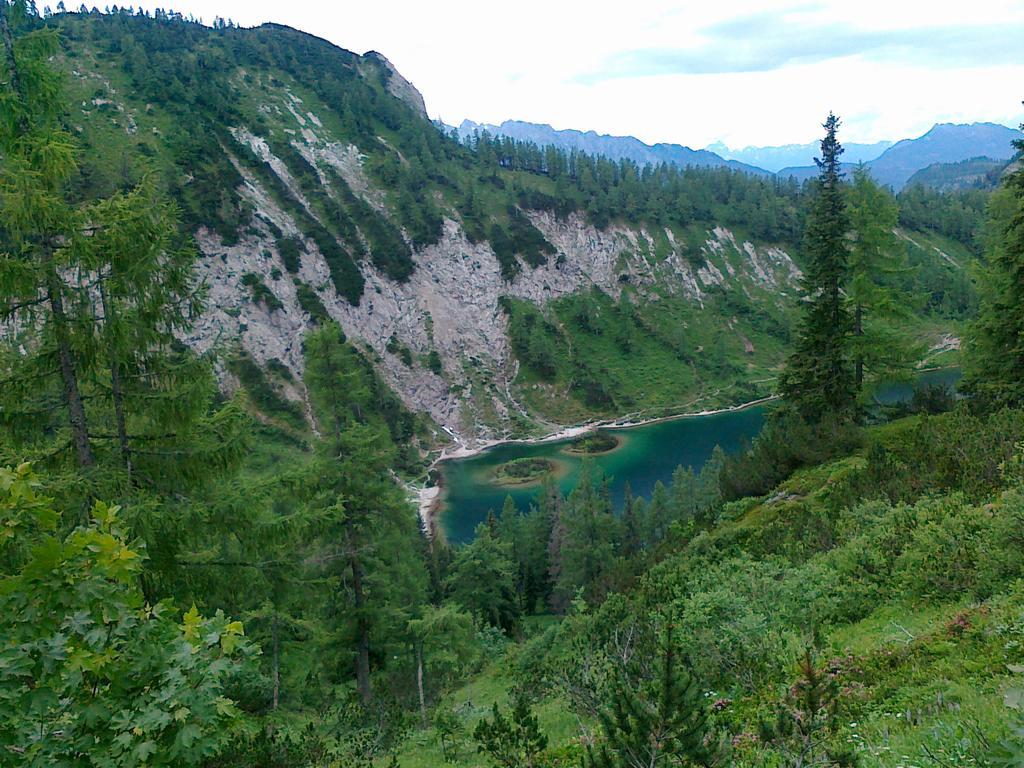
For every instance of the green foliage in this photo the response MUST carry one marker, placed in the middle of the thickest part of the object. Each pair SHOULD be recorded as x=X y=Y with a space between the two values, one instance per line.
x=808 y=717
x=819 y=377
x=448 y=728
x=482 y=581
x=959 y=215
x=583 y=554
x=879 y=347
x=434 y=363
x=519 y=239
x=290 y=249
x=512 y=741
x=95 y=375
x=89 y=672
x=445 y=644
x=345 y=388
x=994 y=364
x=786 y=443
x=1009 y=753
x=660 y=723
x=310 y=302
x=260 y=293
x=345 y=275
x=264 y=395
x=388 y=249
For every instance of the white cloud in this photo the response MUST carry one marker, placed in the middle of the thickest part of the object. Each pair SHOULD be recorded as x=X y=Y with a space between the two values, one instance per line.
x=530 y=61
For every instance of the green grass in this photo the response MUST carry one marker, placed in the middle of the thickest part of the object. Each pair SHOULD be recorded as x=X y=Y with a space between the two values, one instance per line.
x=471 y=703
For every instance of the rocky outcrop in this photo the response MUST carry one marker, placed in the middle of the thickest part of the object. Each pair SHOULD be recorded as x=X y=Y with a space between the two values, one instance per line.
x=398 y=86
x=450 y=304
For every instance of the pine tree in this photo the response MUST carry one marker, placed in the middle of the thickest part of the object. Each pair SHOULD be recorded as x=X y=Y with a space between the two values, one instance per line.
x=819 y=376
x=360 y=517
x=588 y=539
x=97 y=292
x=38 y=162
x=878 y=346
x=440 y=637
x=807 y=719
x=994 y=360
x=656 y=519
x=663 y=723
x=482 y=580
x=630 y=524
x=515 y=741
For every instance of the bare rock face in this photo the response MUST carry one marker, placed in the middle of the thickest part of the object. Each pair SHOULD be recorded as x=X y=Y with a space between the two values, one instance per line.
x=398 y=86
x=450 y=304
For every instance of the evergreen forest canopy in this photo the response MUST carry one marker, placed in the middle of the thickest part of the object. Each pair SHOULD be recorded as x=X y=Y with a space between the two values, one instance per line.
x=848 y=591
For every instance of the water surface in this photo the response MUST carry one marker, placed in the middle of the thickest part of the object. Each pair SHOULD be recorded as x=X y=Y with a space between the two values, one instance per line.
x=645 y=455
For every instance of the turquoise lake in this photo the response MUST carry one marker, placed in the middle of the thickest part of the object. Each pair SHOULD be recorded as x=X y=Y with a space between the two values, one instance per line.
x=645 y=455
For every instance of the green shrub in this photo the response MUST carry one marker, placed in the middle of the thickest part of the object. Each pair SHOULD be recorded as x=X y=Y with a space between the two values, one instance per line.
x=786 y=443
x=291 y=251
x=260 y=293
x=310 y=302
x=263 y=394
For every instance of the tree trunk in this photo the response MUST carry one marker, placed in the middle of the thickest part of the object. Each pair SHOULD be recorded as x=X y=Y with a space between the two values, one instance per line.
x=858 y=330
x=362 y=625
x=419 y=683
x=72 y=394
x=117 y=390
x=276 y=641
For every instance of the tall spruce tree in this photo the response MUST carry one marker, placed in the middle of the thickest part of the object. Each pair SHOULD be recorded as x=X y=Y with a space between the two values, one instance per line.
x=994 y=363
x=819 y=376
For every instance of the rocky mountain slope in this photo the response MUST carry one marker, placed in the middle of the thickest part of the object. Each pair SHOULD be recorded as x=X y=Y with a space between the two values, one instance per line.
x=317 y=189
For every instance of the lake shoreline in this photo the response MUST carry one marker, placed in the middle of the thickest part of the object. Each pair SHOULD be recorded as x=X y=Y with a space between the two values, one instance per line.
x=431 y=498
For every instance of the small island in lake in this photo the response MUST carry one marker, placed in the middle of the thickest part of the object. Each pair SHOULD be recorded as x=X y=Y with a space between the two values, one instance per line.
x=593 y=443
x=523 y=471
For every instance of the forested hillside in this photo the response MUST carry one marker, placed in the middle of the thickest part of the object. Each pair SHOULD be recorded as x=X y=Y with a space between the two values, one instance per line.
x=244 y=281
x=316 y=188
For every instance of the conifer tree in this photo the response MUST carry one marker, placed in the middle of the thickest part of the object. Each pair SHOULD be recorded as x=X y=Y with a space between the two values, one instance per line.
x=482 y=580
x=515 y=741
x=663 y=723
x=588 y=539
x=994 y=360
x=440 y=637
x=807 y=718
x=630 y=524
x=96 y=293
x=38 y=162
x=359 y=516
x=819 y=376
x=878 y=347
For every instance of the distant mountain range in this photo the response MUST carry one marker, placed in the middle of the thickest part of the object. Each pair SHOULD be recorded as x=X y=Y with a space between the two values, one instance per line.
x=893 y=164
x=614 y=147
x=944 y=143
x=789 y=155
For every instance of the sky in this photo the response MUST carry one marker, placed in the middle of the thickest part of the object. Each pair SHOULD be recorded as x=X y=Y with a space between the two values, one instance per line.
x=746 y=72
